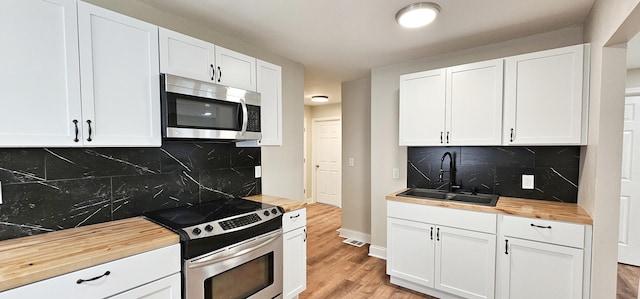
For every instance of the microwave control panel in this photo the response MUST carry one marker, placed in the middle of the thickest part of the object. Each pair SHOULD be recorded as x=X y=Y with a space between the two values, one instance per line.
x=253 y=124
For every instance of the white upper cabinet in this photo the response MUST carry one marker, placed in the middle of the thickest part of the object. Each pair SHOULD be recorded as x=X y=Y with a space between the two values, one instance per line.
x=422 y=108
x=270 y=89
x=235 y=69
x=474 y=104
x=460 y=105
x=120 y=79
x=185 y=56
x=39 y=77
x=545 y=101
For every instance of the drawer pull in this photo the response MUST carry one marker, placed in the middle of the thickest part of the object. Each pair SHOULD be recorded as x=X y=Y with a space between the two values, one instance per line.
x=294 y=217
x=79 y=281
x=540 y=226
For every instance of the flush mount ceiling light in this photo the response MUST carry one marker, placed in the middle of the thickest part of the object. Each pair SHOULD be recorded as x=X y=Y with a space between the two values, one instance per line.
x=319 y=99
x=417 y=14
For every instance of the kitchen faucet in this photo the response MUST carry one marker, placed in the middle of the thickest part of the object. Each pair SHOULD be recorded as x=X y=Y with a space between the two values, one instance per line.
x=451 y=171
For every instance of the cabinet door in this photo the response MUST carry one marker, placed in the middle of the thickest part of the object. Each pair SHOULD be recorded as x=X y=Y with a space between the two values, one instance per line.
x=544 y=97
x=422 y=108
x=235 y=69
x=165 y=288
x=538 y=270
x=120 y=79
x=39 y=77
x=185 y=56
x=295 y=262
x=270 y=88
x=465 y=262
x=410 y=251
x=474 y=104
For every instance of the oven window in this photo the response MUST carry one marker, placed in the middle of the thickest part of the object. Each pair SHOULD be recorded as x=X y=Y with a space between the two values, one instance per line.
x=241 y=281
x=194 y=113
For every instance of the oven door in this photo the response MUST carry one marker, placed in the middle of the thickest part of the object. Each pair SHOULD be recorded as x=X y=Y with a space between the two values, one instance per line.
x=251 y=269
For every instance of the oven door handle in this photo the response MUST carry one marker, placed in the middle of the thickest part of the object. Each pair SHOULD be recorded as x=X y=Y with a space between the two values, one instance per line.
x=211 y=259
x=245 y=117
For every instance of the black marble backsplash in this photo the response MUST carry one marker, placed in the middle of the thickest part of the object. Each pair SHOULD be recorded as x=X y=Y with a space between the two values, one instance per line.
x=48 y=189
x=499 y=170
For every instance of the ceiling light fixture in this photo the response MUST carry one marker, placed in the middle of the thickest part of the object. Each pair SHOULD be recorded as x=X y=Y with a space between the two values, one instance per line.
x=417 y=14
x=320 y=99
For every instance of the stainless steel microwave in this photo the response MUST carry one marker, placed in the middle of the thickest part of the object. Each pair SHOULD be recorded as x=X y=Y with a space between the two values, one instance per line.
x=203 y=110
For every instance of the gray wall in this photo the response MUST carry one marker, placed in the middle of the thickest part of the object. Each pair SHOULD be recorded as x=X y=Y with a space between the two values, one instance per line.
x=610 y=22
x=633 y=78
x=385 y=152
x=281 y=166
x=356 y=143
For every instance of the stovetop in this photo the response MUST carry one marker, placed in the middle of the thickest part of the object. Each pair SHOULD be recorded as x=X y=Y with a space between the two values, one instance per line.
x=217 y=217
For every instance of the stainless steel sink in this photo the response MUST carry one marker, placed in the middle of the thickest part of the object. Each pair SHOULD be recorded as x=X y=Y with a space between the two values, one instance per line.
x=441 y=195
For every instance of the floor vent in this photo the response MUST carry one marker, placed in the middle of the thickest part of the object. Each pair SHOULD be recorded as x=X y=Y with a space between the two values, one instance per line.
x=354 y=242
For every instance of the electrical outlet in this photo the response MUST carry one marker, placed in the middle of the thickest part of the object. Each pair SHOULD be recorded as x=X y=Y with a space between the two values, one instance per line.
x=258 y=173
x=396 y=173
x=527 y=181
x=352 y=162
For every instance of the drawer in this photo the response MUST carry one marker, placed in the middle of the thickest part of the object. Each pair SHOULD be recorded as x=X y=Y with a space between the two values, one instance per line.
x=124 y=274
x=548 y=231
x=294 y=219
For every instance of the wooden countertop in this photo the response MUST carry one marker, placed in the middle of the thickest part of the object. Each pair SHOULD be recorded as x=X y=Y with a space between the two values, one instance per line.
x=531 y=208
x=287 y=204
x=34 y=258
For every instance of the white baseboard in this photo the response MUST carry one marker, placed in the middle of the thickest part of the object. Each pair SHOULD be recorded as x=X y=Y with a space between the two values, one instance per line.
x=377 y=251
x=356 y=235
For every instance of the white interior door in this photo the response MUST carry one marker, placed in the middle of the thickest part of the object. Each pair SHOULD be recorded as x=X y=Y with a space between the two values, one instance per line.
x=629 y=233
x=327 y=146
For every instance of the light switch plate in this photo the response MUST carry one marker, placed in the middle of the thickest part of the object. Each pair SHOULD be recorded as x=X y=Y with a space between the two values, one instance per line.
x=352 y=162
x=396 y=173
x=527 y=181
x=258 y=172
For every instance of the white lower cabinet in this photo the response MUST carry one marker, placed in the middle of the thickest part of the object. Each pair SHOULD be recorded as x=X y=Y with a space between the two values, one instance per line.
x=441 y=252
x=151 y=275
x=295 y=253
x=543 y=259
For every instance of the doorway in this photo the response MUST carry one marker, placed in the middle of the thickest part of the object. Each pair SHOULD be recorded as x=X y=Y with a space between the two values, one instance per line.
x=327 y=167
x=629 y=233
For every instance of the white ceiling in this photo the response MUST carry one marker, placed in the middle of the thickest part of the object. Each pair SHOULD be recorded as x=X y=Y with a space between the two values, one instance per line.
x=342 y=40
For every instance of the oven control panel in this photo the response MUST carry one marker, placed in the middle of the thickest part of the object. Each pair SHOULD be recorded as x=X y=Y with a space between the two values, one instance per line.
x=231 y=224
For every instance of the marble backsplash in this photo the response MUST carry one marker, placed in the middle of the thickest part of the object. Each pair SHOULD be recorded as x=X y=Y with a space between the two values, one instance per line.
x=48 y=189
x=499 y=170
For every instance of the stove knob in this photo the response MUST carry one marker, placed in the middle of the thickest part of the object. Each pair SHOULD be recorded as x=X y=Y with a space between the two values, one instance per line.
x=196 y=231
x=208 y=228
x=274 y=211
x=266 y=213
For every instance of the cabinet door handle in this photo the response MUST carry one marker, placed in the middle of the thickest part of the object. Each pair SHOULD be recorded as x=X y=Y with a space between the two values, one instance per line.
x=75 y=123
x=506 y=246
x=438 y=234
x=540 y=226
x=213 y=73
x=79 y=281
x=431 y=233
x=219 y=74
x=305 y=235
x=511 y=137
x=90 y=131
x=441 y=140
x=447 y=137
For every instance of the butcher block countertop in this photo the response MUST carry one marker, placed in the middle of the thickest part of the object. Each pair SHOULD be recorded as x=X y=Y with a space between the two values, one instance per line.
x=34 y=258
x=287 y=204
x=542 y=209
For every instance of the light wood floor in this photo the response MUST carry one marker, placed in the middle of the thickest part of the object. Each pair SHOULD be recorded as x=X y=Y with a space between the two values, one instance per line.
x=338 y=270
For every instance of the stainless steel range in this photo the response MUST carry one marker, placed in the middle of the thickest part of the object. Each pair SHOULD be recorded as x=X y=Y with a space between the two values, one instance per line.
x=231 y=248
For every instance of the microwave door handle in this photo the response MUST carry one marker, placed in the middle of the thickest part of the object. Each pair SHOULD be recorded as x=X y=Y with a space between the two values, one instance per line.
x=245 y=117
